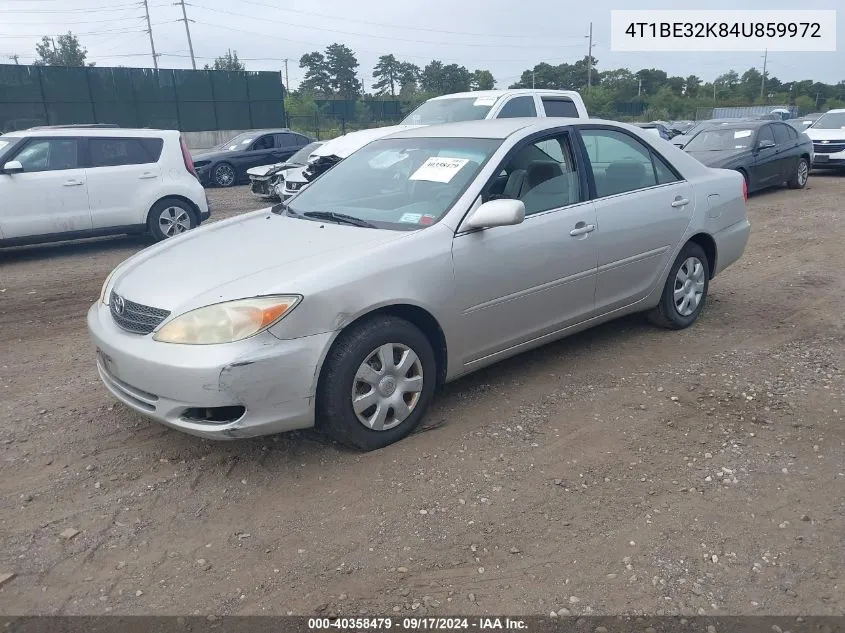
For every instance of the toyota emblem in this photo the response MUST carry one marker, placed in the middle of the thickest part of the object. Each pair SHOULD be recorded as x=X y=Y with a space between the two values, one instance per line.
x=119 y=306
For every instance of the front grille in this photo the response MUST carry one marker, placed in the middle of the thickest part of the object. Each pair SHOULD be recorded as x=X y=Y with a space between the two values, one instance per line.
x=828 y=148
x=135 y=317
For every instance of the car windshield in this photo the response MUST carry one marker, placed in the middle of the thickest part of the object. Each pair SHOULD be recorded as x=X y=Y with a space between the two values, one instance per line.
x=830 y=121
x=302 y=155
x=450 y=110
x=399 y=184
x=720 y=139
x=240 y=142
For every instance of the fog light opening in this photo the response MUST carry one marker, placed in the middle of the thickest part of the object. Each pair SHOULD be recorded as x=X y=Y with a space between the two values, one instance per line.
x=213 y=415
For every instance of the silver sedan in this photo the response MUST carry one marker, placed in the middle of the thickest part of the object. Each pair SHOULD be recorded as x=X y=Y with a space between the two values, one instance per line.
x=422 y=257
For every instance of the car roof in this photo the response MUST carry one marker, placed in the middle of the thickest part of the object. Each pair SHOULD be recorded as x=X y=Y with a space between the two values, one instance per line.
x=497 y=128
x=501 y=93
x=91 y=132
x=835 y=111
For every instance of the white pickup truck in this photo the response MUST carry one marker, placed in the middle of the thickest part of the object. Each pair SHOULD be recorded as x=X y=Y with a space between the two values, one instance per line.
x=498 y=104
x=451 y=108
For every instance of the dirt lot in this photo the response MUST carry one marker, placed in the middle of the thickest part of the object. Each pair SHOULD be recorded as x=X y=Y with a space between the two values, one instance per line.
x=628 y=469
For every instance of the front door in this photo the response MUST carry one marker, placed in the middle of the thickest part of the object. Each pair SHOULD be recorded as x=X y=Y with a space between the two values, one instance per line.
x=642 y=209
x=50 y=195
x=766 y=165
x=517 y=283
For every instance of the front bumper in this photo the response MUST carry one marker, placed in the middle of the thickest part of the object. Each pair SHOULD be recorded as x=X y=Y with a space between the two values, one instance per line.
x=272 y=379
x=821 y=159
x=262 y=187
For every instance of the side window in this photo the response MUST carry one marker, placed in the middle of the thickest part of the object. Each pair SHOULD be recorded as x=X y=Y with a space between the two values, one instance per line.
x=793 y=133
x=781 y=134
x=518 y=107
x=765 y=134
x=663 y=172
x=543 y=175
x=49 y=155
x=111 y=152
x=263 y=142
x=620 y=162
x=301 y=140
x=559 y=107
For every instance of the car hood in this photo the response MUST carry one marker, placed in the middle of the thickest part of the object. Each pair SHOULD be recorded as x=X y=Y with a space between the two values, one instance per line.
x=269 y=170
x=212 y=156
x=254 y=254
x=343 y=146
x=825 y=135
x=720 y=158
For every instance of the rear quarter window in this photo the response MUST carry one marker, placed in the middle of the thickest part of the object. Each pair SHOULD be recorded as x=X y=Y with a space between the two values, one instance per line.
x=112 y=152
x=557 y=107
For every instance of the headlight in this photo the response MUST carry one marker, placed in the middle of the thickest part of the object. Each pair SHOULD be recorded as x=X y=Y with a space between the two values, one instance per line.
x=103 y=298
x=226 y=322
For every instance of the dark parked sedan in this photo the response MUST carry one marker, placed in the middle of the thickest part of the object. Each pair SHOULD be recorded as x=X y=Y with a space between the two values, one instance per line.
x=226 y=164
x=766 y=153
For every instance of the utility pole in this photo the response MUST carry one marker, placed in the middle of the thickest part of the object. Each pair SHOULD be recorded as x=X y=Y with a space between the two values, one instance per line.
x=287 y=80
x=640 y=86
x=763 y=80
x=150 y=32
x=590 y=58
x=188 y=32
x=532 y=80
x=15 y=57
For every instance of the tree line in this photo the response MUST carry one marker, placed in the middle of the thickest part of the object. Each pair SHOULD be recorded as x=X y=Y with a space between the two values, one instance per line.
x=614 y=93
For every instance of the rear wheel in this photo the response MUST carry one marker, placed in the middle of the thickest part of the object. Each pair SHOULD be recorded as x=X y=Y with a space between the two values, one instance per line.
x=685 y=291
x=378 y=382
x=170 y=217
x=802 y=174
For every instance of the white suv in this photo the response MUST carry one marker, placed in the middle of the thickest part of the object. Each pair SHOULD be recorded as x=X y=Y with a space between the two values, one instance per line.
x=61 y=183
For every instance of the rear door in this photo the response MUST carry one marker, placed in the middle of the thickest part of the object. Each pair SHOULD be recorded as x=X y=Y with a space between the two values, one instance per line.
x=123 y=175
x=50 y=196
x=787 y=152
x=643 y=208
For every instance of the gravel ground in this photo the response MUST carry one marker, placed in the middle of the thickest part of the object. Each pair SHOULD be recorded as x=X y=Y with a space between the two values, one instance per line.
x=624 y=470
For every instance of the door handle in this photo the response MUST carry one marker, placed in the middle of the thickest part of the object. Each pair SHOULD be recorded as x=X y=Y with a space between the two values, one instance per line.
x=582 y=230
x=147 y=174
x=72 y=183
x=680 y=202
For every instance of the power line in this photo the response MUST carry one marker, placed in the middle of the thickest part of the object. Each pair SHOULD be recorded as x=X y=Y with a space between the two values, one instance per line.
x=124 y=7
x=395 y=26
x=104 y=32
x=382 y=37
x=78 y=21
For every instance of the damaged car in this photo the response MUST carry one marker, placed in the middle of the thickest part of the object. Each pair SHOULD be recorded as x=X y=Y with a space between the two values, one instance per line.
x=264 y=180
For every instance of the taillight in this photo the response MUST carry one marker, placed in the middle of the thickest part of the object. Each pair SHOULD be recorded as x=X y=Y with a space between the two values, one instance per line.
x=186 y=156
x=744 y=189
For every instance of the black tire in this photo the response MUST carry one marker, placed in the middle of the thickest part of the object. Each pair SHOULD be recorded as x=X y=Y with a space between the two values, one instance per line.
x=169 y=217
x=801 y=176
x=224 y=175
x=667 y=313
x=335 y=412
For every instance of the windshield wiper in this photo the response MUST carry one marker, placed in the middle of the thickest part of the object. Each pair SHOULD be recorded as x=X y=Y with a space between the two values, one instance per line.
x=339 y=218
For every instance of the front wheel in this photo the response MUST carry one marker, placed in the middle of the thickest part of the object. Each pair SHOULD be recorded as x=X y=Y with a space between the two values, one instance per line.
x=170 y=217
x=224 y=175
x=802 y=174
x=378 y=382
x=685 y=290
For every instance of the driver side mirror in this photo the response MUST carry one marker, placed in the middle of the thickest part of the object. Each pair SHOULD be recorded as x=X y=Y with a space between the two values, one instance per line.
x=12 y=167
x=765 y=144
x=503 y=212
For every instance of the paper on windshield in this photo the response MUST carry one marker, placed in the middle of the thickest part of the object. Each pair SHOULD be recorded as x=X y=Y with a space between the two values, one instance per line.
x=484 y=101
x=742 y=133
x=411 y=217
x=439 y=169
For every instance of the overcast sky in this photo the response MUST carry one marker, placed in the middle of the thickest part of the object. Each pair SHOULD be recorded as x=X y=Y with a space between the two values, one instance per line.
x=505 y=37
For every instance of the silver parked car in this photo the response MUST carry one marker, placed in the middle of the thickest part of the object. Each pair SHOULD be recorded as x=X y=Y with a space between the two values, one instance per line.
x=422 y=257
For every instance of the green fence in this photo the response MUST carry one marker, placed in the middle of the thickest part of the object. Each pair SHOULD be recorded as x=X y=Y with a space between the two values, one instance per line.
x=187 y=100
